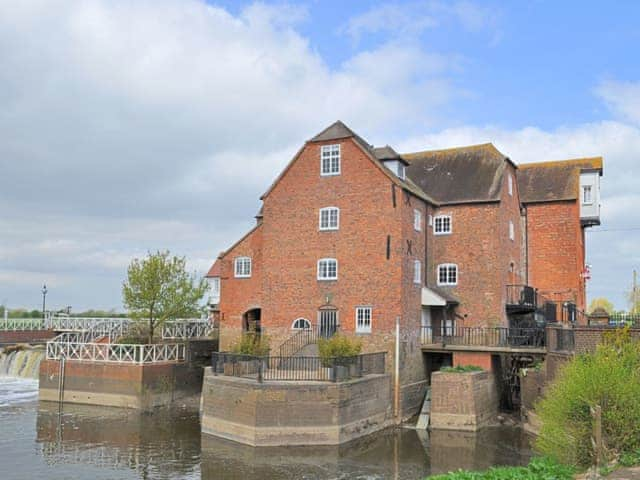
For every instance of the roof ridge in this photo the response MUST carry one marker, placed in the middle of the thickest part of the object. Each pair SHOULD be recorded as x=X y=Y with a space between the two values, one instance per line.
x=596 y=162
x=477 y=146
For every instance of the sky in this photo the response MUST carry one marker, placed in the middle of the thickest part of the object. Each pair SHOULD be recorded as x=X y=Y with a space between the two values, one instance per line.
x=133 y=126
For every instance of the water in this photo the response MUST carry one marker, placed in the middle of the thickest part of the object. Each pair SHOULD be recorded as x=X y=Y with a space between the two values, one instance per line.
x=21 y=363
x=103 y=443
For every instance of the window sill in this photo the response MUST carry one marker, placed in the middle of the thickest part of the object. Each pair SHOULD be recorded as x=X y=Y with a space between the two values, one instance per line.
x=327 y=279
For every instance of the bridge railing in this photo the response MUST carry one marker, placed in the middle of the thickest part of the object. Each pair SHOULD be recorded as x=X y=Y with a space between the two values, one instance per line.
x=17 y=324
x=62 y=323
x=117 y=353
x=189 y=328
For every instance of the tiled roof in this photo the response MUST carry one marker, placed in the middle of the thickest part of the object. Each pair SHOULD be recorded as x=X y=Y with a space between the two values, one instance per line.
x=554 y=181
x=459 y=175
x=215 y=269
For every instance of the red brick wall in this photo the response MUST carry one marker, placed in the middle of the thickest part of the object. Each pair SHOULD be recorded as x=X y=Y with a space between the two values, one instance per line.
x=556 y=251
x=26 y=336
x=478 y=359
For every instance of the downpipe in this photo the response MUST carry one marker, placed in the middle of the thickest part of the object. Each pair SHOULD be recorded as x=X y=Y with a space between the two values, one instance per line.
x=396 y=374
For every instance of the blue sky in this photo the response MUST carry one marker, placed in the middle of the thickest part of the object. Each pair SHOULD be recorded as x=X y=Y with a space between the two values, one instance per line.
x=137 y=126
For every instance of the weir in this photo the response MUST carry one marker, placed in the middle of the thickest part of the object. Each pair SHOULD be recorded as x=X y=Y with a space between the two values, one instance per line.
x=23 y=362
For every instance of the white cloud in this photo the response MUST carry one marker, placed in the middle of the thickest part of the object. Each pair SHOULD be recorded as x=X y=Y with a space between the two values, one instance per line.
x=623 y=98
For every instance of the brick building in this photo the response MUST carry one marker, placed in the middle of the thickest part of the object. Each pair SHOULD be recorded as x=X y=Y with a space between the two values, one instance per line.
x=356 y=238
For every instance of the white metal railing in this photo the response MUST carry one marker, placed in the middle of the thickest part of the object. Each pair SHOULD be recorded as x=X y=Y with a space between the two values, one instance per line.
x=116 y=353
x=187 y=329
x=60 y=323
x=11 y=324
x=111 y=328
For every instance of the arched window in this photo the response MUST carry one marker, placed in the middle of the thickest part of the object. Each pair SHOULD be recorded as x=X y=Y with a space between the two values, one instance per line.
x=301 y=324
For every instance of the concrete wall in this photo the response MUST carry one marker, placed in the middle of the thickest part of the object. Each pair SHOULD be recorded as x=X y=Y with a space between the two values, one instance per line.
x=118 y=385
x=463 y=401
x=294 y=413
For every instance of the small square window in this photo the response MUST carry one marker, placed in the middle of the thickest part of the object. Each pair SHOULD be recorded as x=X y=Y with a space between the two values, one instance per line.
x=363 y=319
x=243 y=267
x=328 y=269
x=447 y=274
x=442 y=225
x=417 y=220
x=329 y=218
x=330 y=160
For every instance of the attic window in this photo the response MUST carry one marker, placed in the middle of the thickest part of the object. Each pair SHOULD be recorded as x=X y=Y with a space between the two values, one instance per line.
x=330 y=160
x=402 y=172
x=512 y=230
x=510 y=184
x=243 y=267
x=587 y=199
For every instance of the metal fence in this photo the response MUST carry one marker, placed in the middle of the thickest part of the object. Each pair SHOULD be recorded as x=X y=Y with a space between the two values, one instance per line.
x=62 y=323
x=17 y=324
x=298 y=341
x=187 y=329
x=522 y=296
x=625 y=319
x=297 y=368
x=565 y=340
x=116 y=353
x=484 y=336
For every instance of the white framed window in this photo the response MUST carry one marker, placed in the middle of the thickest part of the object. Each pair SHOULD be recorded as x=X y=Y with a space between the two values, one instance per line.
x=510 y=184
x=214 y=288
x=587 y=198
x=512 y=230
x=402 y=172
x=448 y=274
x=442 y=225
x=330 y=160
x=363 y=319
x=243 y=267
x=327 y=269
x=301 y=324
x=329 y=218
x=417 y=220
x=417 y=271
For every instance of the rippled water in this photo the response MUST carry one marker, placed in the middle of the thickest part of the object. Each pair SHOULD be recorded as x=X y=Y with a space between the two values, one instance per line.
x=96 y=443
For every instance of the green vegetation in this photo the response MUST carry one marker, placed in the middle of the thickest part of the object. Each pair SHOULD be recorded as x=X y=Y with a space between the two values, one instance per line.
x=609 y=378
x=252 y=344
x=538 y=469
x=338 y=346
x=601 y=303
x=159 y=288
x=462 y=369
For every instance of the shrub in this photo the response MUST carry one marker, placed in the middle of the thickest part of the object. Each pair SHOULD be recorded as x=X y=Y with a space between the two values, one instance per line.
x=609 y=378
x=338 y=346
x=462 y=369
x=252 y=343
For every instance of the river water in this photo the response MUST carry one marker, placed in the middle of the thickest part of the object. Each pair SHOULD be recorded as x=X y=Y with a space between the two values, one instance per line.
x=37 y=441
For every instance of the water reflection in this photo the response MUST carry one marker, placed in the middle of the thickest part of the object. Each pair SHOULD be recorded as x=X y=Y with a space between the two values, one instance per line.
x=167 y=443
x=164 y=443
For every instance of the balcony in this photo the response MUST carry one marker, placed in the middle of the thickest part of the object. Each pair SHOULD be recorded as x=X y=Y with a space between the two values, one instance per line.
x=521 y=299
x=499 y=339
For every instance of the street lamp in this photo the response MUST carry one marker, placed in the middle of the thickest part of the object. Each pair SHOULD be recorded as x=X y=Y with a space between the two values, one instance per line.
x=44 y=299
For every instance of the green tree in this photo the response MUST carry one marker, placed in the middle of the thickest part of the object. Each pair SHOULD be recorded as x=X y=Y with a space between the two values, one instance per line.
x=603 y=303
x=159 y=288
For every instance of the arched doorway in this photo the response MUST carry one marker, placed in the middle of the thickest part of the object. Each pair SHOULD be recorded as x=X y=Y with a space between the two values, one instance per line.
x=251 y=321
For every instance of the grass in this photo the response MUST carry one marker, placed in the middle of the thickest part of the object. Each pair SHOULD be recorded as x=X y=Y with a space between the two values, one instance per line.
x=538 y=469
x=462 y=369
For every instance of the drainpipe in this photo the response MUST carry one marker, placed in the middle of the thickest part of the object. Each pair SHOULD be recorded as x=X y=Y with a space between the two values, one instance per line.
x=396 y=376
x=526 y=245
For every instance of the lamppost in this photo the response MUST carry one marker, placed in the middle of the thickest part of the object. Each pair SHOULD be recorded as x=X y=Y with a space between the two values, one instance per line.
x=44 y=300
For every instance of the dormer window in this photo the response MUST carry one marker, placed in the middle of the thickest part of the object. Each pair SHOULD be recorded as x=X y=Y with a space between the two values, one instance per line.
x=587 y=197
x=402 y=172
x=330 y=160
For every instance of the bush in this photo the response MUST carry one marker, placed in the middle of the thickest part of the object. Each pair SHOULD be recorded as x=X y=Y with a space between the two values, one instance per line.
x=539 y=468
x=462 y=369
x=609 y=378
x=339 y=347
x=252 y=343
